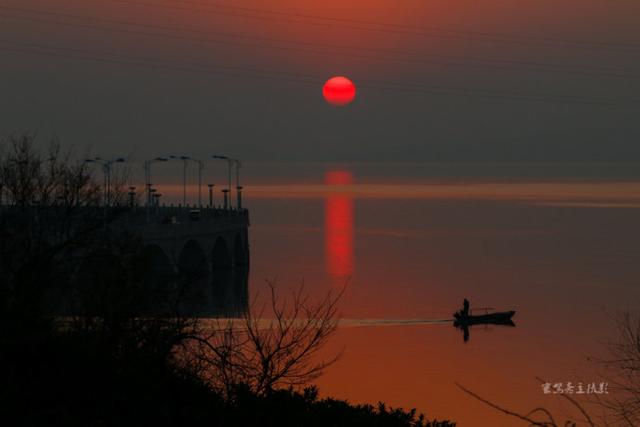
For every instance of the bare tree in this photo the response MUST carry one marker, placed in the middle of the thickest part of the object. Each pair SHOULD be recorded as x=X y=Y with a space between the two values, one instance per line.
x=51 y=217
x=622 y=373
x=48 y=209
x=540 y=416
x=30 y=179
x=264 y=354
x=54 y=228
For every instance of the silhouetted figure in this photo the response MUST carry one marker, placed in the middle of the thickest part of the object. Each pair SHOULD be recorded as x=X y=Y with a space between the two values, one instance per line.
x=465 y=308
x=465 y=333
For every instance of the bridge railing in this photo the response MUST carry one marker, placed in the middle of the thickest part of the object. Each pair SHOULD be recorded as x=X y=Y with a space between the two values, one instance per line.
x=178 y=214
x=139 y=215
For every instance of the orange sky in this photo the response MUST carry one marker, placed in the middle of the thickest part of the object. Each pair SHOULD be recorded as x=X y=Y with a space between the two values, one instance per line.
x=410 y=26
x=146 y=77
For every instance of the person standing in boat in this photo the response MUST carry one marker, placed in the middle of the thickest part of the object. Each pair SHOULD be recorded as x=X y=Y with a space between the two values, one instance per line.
x=465 y=308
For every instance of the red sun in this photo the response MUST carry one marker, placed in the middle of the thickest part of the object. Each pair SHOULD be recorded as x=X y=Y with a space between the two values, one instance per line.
x=339 y=91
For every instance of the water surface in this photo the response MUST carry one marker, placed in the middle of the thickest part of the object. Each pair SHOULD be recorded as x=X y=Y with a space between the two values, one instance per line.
x=563 y=254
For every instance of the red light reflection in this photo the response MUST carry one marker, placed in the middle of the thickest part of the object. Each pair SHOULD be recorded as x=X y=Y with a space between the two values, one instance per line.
x=339 y=227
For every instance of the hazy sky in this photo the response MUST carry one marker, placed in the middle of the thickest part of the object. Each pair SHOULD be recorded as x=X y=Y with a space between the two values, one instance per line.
x=155 y=77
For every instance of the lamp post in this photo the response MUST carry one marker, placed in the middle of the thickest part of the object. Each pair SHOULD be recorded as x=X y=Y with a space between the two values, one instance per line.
x=210 y=194
x=153 y=193
x=238 y=186
x=200 y=169
x=185 y=163
x=186 y=160
x=225 y=193
x=106 y=170
x=239 y=194
x=147 y=172
x=132 y=196
x=230 y=163
x=147 y=175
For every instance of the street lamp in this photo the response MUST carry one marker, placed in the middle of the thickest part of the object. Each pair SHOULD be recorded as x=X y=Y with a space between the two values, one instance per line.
x=200 y=169
x=147 y=175
x=132 y=196
x=229 y=164
x=185 y=160
x=185 y=163
x=232 y=162
x=106 y=169
x=210 y=194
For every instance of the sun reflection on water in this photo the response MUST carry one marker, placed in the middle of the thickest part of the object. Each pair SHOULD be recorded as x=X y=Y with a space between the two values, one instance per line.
x=339 y=227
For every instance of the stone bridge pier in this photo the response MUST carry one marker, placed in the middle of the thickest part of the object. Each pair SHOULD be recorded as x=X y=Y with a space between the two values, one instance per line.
x=207 y=246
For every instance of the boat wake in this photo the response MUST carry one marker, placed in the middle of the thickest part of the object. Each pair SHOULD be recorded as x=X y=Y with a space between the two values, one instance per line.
x=239 y=324
x=350 y=323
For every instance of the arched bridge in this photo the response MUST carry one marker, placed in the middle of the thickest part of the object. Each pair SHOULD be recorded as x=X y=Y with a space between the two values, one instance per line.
x=209 y=244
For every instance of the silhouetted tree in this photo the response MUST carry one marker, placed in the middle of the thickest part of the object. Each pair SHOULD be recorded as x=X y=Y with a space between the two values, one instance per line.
x=264 y=354
x=123 y=354
x=539 y=416
x=57 y=370
x=288 y=408
x=622 y=373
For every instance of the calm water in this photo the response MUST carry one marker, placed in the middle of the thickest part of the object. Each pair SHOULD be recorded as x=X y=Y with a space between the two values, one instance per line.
x=562 y=254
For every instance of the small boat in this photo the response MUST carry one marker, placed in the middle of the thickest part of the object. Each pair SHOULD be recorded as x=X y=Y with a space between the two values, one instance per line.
x=498 y=318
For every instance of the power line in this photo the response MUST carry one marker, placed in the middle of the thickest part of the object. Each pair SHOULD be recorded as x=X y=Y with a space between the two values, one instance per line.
x=349 y=51
x=159 y=63
x=154 y=61
x=250 y=13
x=405 y=26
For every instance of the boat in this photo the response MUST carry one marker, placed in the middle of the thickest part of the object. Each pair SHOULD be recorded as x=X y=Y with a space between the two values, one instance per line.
x=498 y=318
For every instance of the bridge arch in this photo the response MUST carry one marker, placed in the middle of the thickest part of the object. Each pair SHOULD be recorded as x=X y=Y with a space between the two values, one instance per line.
x=98 y=278
x=193 y=270
x=220 y=256
x=156 y=267
x=239 y=252
x=221 y=277
x=192 y=260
